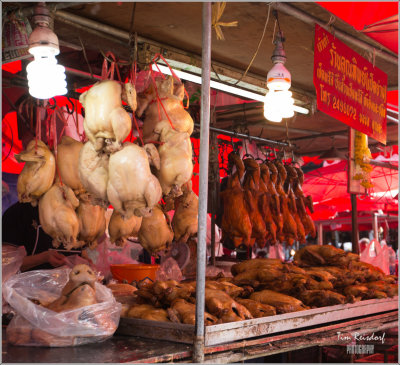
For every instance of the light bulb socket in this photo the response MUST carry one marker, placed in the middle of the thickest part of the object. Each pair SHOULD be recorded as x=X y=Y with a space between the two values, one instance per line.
x=279 y=55
x=41 y=15
x=43 y=37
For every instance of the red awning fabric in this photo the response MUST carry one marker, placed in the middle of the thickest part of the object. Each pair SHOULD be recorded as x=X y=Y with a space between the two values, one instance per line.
x=328 y=187
x=377 y=20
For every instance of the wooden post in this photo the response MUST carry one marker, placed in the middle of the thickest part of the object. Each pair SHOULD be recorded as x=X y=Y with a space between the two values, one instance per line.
x=354 y=224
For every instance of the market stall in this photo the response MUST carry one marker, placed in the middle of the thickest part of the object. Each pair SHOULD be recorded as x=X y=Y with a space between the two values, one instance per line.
x=126 y=142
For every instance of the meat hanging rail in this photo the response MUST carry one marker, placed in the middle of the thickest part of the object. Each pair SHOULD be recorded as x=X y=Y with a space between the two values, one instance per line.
x=242 y=135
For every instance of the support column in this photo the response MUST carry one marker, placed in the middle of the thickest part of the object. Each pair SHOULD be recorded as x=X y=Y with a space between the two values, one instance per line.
x=354 y=224
x=198 y=351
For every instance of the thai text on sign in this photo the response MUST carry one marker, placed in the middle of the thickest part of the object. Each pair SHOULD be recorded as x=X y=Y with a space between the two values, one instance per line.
x=348 y=87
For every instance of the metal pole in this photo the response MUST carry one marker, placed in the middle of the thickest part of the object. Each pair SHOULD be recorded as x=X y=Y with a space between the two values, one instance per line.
x=241 y=135
x=354 y=224
x=375 y=226
x=198 y=351
x=320 y=234
x=309 y=19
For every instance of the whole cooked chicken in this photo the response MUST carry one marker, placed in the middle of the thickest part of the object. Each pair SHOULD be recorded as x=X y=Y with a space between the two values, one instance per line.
x=175 y=152
x=224 y=307
x=155 y=232
x=78 y=292
x=132 y=189
x=273 y=200
x=315 y=255
x=278 y=176
x=390 y=289
x=93 y=173
x=106 y=122
x=185 y=222
x=120 y=229
x=68 y=150
x=171 y=98
x=147 y=311
x=92 y=223
x=259 y=263
x=321 y=298
x=257 y=203
x=236 y=224
x=283 y=303
x=231 y=289
x=57 y=216
x=37 y=175
x=183 y=312
x=257 y=309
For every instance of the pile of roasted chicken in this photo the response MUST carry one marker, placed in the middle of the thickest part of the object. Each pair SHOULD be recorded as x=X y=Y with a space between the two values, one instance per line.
x=265 y=203
x=74 y=185
x=319 y=276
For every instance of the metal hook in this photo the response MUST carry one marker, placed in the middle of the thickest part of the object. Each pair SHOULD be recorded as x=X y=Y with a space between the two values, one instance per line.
x=70 y=111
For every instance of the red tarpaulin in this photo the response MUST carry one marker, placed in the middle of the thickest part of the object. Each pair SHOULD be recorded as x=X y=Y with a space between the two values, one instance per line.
x=328 y=187
x=378 y=20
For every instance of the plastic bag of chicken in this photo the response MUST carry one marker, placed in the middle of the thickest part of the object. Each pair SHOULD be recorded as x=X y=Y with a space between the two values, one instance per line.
x=43 y=319
x=11 y=261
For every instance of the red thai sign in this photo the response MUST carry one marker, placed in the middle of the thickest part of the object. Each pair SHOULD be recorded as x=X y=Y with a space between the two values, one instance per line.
x=349 y=88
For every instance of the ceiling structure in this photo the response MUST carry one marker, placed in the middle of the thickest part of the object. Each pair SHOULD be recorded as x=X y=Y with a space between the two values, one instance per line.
x=86 y=30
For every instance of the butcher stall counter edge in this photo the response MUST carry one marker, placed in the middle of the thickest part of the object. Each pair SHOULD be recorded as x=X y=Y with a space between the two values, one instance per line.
x=124 y=349
x=234 y=331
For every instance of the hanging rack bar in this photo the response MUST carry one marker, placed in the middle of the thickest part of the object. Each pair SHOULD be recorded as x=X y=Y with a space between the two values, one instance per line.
x=241 y=135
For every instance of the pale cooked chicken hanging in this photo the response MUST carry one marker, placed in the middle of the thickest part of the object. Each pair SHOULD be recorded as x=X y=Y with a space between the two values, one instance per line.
x=236 y=224
x=175 y=152
x=120 y=229
x=92 y=223
x=106 y=122
x=37 y=176
x=171 y=97
x=155 y=232
x=185 y=222
x=132 y=189
x=58 y=218
x=68 y=150
x=93 y=173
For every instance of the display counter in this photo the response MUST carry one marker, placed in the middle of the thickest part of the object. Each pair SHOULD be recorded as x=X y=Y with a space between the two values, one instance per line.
x=124 y=349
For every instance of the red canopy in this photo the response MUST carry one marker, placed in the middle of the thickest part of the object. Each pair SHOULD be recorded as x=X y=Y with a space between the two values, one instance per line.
x=378 y=20
x=328 y=187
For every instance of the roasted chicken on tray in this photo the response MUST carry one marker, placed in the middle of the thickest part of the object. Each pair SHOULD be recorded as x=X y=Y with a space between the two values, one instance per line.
x=264 y=287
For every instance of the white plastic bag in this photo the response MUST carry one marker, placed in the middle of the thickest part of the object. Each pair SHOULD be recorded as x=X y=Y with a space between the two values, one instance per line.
x=276 y=252
x=376 y=255
x=35 y=325
x=11 y=261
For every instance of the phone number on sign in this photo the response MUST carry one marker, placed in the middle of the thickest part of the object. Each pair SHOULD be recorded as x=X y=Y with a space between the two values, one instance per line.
x=344 y=108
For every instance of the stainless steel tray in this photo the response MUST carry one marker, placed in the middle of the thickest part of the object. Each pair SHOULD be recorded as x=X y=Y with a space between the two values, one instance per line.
x=234 y=331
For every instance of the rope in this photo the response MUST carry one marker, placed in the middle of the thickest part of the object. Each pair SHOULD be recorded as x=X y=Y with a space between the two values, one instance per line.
x=159 y=100
x=217 y=12
x=258 y=48
x=137 y=128
x=109 y=73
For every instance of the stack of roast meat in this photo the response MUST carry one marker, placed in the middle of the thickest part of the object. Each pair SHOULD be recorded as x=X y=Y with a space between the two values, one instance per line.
x=106 y=170
x=265 y=203
x=320 y=276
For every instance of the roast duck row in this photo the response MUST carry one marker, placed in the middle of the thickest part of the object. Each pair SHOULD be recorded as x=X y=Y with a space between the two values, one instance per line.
x=105 y=170
x=320 y=276
x=265 y=203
